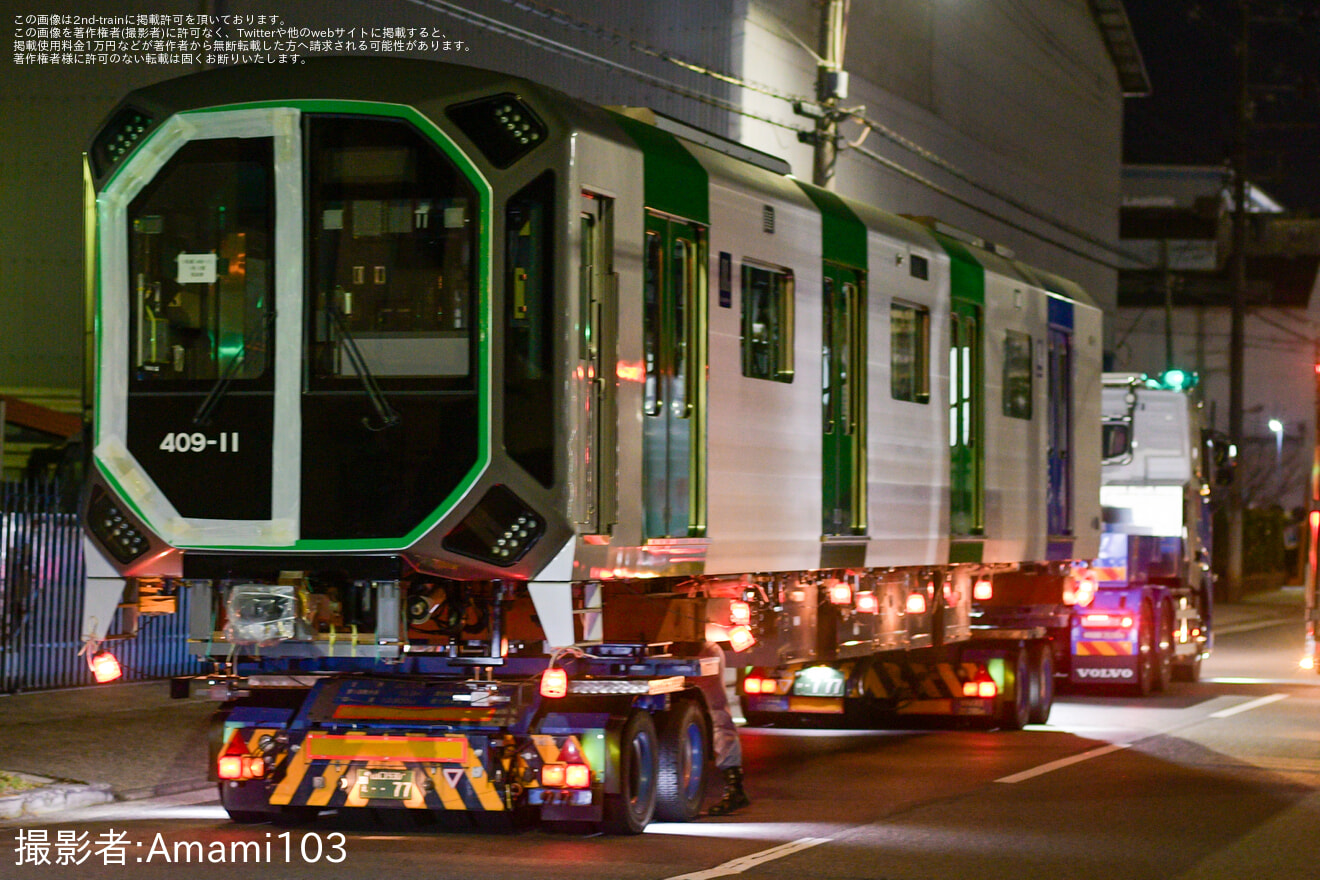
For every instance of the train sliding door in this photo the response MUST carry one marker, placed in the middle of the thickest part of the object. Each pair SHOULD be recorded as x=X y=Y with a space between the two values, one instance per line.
x=594 y=501
x=674 y=349
x=843 y=402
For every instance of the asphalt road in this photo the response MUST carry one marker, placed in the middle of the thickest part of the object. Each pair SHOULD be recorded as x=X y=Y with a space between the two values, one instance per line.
x=1219 y=779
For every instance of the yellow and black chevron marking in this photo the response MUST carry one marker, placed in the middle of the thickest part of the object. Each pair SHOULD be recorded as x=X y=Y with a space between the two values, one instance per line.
x=1105 y=649
x=442 y=773
x=934 y=681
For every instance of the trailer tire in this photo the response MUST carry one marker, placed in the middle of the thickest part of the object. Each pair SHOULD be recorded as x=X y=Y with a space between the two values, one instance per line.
x=684 y=734
x=631 y=810
x=1041 y=658
x=1015 y=706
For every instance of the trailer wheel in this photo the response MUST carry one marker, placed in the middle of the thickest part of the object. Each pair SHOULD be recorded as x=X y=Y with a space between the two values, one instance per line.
x=1041 y=660
x=1015 y=705
x=681 y=773
x=630 y=811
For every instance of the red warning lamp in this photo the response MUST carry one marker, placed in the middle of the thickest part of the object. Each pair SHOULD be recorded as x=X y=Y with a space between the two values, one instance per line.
x=916 y=603
x=105 y=667
x=868 y=603
x=740 y=613
x=554 y=683
x=741 y=638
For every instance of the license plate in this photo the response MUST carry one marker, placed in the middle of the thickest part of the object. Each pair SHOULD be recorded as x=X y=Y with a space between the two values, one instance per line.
x=819 y=681
x=385 y=784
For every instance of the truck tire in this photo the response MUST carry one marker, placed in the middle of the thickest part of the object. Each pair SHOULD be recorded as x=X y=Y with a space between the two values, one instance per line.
x=1147 y=653
x=1041 y=659
x=1015 y=702
x=631 y=810
x=681 y=772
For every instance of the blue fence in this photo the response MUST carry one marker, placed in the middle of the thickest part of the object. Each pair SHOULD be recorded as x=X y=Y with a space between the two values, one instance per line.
x=41 y=601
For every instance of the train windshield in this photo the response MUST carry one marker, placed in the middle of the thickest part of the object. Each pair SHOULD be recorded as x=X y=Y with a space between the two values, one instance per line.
x=200 y=265
x=392 y=234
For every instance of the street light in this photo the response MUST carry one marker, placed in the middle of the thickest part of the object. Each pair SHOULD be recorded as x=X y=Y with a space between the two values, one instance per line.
x=1277 y=427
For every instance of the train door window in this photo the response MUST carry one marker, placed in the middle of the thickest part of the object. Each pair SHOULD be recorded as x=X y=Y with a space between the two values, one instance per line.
x=529 y=411
x=1017 y=375
x=200 y=242
x=654 y=278
x=909 y=347
x=392 y=226
x=682 y=268
x=966 y=513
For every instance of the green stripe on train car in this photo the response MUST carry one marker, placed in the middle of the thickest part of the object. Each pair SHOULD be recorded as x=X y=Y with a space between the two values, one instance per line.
x=843 y=235
x=966 y=275
x=674 y=181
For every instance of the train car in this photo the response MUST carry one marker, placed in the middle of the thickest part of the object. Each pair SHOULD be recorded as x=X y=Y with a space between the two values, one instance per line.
x=425 y=385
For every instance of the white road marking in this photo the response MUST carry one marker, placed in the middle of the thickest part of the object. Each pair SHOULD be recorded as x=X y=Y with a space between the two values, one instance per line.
x=1061 y=763
x=737 y=866
x=1247 y=707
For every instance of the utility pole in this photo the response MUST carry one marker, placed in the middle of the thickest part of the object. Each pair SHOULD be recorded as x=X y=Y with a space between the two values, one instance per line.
x=831 y=86
x=1237 y=332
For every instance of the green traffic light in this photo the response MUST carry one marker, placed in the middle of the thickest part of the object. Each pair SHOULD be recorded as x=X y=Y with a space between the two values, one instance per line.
x=1177 y=380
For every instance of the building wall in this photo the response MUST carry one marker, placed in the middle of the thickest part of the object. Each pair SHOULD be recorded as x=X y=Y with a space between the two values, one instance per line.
x=1020 y=96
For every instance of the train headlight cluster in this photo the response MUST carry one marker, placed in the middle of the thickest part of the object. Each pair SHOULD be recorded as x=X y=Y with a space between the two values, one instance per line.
x=120 y=137
x=500 y=529
x=503 y=127
x=113 y=529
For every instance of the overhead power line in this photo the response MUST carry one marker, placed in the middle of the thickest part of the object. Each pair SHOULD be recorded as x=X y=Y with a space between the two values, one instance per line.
x=614 y=36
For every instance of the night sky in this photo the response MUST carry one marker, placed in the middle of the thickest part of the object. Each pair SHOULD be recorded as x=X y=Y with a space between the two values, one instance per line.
x=1189 y=51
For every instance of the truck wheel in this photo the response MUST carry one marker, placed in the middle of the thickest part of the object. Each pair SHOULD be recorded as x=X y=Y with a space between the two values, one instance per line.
x=630 y=811
x=1041 y=659
x=681 y=772
x=1015 y=702
x=1147 y=648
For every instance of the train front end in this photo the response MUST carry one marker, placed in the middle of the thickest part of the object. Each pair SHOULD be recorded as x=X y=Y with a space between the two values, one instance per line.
x=294 y=329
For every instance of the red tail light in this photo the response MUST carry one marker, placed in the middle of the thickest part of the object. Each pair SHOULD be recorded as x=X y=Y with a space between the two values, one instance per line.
x=916 y=603
x=577 y=776
x=840 y=593
x=983 y=590
x=740 y=612
x=868 y=603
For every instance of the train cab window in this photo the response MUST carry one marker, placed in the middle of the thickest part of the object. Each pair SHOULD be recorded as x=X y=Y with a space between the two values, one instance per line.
x=529 y=319
x=909 y=352
x=767 y=323
x=200 y=237
x=1116 y=442
x=392 y=227
x=1017 y=375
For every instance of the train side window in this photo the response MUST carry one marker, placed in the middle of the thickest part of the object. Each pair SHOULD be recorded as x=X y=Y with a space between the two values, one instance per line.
x=909 y=352
x=1017 y=375
x=767 y=323
x=1117 y=440
x=529 y=423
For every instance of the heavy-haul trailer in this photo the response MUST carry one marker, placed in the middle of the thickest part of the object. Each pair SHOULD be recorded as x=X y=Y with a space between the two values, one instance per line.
x=462 y=416
x=1142 y=610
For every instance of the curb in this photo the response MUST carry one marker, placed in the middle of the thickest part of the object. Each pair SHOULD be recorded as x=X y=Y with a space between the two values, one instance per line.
x=53 y=798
